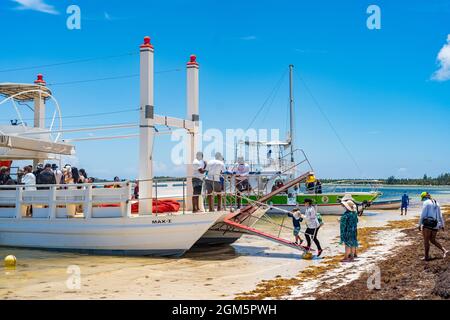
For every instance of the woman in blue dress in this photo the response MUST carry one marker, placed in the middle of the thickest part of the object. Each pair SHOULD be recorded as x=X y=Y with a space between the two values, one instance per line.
x=349 y=228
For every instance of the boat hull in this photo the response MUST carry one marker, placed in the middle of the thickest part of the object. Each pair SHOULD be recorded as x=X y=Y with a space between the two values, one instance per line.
x=162 y=235
x=386 y=205
x=221 y=233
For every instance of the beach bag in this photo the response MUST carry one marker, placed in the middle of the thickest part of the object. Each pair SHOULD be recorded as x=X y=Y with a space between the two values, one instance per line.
x=320 y=219
x=430 y=222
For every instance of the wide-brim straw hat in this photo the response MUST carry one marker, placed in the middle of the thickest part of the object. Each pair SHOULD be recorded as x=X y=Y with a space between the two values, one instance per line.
x=348 y=202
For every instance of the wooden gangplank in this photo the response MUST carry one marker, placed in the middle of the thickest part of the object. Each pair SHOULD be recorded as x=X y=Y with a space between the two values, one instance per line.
x=236 y=219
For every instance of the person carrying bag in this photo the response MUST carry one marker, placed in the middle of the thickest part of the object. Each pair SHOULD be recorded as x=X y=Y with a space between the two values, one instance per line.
x=431 y=221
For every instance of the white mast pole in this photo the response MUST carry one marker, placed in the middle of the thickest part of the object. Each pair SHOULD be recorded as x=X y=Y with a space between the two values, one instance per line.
x=39 y=109
x=291 y=109
x=146 y=128
x=192 y=100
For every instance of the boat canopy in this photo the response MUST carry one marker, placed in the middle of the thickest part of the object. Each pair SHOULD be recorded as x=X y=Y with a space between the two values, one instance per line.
x=13 y=145
x=24 y=91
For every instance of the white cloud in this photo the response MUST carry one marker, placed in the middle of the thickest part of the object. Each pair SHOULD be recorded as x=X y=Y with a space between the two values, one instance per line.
x=36 y=5
x=443 y=60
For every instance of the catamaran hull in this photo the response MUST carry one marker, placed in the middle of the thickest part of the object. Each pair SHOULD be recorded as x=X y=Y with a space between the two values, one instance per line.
x=170 y=235
x=221 y=233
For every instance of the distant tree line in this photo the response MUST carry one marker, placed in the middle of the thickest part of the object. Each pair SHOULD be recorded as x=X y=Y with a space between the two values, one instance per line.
x=440 y=180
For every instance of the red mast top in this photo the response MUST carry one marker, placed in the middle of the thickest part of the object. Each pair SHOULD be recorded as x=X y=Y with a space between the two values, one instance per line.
x=192 y=60
x=40 y=80
x=147 y=43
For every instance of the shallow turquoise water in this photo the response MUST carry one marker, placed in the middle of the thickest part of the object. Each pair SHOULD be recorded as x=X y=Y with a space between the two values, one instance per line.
x=395 y=192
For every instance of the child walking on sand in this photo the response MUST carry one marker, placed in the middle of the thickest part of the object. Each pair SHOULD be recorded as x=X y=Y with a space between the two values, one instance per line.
x=296 y=219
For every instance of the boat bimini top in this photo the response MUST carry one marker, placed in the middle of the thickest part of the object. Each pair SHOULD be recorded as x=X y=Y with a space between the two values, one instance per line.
x=19 y=141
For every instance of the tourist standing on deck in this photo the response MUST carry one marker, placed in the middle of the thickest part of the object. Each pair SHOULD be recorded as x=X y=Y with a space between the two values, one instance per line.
x=38 y=170
x=5 y=177
x=83 y=176
x=46 y=176
x=318 y=187
x=296 y=219
x=405 y=204
x=349 y=228
x=312 y=225
x=213 y=186
x=242 y=171
x=28 y=179
x=310 y=183
x=58 y=174
x=67 y=173
x=199 y=169
x=430 y=222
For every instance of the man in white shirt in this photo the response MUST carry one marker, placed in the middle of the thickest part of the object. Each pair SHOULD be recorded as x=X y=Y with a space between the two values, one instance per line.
x=199 y=169
x=29 y=180
x=213 y=182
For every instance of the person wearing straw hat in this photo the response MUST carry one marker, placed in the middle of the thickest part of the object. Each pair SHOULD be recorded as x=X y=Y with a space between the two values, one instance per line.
x=349 y=228
x=430 y=222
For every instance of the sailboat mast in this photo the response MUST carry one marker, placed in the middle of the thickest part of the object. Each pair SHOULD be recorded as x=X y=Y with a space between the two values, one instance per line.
x=291 y=110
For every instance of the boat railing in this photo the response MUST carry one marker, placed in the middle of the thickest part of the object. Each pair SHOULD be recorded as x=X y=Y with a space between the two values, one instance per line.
x=89 y=200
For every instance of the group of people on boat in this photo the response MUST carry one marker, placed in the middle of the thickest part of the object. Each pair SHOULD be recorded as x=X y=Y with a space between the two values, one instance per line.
x=208 y=175
x=45 y=174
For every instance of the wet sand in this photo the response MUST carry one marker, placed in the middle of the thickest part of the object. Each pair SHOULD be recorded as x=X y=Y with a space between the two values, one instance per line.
x=220 y=272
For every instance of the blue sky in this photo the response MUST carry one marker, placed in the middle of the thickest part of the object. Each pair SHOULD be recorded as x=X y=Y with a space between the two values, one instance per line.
x=375 y=86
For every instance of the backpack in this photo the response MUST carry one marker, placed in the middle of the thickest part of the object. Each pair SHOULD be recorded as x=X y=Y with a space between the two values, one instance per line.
x=430 y=222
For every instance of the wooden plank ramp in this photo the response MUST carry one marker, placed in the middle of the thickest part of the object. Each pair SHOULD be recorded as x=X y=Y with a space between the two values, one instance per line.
x=238 y=219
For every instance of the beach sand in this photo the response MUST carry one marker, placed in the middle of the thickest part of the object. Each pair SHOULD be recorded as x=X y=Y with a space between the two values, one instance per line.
x=220 y=272
x=391 y=252
x=403 y=274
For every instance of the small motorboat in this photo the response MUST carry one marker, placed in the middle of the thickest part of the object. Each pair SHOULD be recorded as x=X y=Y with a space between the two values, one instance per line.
x=392 y=204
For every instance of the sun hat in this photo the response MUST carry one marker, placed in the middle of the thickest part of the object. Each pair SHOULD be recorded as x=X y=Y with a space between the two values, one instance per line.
x=347 y=202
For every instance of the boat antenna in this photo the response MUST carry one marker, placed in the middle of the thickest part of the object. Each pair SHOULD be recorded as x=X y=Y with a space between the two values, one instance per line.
x=291 y=110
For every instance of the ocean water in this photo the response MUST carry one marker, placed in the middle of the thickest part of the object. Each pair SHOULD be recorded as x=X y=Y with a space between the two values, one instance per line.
x=396 y=192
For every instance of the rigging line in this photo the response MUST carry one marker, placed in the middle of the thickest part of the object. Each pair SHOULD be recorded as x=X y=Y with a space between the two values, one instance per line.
x=274 y=96
x=68 y=62
x=88 y=114
x=330 y=124
x=134 y=75
x=267 y=99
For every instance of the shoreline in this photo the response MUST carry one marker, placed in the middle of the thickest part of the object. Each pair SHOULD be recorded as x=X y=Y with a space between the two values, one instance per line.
x=331 y=279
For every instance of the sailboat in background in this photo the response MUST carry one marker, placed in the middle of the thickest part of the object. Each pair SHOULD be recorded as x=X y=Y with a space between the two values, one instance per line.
x=282 y=164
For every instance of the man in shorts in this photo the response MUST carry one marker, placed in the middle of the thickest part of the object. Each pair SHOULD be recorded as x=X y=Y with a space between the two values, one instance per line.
x=213 y=185
x=199 y=167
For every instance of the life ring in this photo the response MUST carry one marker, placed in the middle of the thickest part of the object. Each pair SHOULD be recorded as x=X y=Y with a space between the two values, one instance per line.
x=325 y=199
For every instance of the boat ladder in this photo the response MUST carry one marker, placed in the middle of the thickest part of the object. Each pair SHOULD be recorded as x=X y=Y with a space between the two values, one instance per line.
x=237 y=219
